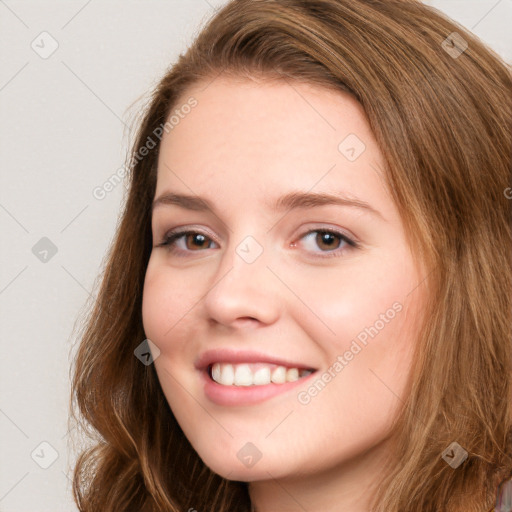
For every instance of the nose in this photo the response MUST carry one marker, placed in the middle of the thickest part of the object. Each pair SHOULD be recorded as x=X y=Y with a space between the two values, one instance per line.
x=244 y=291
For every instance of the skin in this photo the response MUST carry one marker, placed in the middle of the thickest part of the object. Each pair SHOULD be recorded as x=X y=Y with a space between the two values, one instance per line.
x=243 y=145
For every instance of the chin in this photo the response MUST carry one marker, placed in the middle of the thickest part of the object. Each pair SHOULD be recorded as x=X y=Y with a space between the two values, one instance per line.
x=231 y=468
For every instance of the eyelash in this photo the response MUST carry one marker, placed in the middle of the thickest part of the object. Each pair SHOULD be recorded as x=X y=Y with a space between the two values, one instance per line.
x=173 y=236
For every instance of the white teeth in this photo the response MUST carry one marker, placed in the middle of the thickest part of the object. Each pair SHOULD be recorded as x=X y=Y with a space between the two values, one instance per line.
x=261 y=376
x=243 y=375
x=292 y=374
x=216 y=372
x=227 y=375
x=254 y=374
x=279 y=375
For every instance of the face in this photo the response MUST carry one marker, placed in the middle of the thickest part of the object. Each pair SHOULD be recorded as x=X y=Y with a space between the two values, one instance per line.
x=294 y=260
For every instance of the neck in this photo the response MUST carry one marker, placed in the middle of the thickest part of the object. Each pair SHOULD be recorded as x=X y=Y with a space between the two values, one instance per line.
x=347 y=487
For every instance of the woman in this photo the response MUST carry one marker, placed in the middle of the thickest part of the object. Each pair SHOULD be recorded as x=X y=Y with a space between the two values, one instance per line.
x=307 y=305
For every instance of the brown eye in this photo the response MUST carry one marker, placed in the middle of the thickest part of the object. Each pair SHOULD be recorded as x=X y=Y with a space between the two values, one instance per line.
x=186 y=241
x=196 y=240
x=332 y=243
x=327 y=240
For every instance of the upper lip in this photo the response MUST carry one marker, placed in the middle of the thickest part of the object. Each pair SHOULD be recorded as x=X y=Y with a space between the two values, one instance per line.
x=244 y=356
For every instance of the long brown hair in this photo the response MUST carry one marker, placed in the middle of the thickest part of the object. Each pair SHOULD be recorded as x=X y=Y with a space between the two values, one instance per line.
x=441 y=113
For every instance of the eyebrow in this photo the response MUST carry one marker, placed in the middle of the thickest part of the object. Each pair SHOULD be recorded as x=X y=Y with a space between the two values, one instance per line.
x=290 y=201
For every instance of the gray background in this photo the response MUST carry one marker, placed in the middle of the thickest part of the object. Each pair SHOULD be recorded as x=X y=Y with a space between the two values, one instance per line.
x=64 y=129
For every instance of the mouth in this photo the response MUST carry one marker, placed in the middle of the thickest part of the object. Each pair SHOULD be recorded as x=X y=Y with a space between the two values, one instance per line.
x=254 y=374
x=243 y=377
x=248 y=384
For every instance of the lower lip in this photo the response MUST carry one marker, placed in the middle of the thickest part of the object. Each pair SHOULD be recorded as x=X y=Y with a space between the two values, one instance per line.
x=245 y=395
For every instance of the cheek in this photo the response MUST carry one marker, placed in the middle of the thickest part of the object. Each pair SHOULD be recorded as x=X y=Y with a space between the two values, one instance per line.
x=155 y=305
x=167 y=308
x=166 y=302
x=365 y=320
x=364 y=301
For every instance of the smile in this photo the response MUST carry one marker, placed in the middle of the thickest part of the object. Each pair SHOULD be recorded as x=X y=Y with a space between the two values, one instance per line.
x=254 y=374
x=234 y=377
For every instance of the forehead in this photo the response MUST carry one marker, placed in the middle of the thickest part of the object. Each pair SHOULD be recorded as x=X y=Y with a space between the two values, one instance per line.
x=258 y=111
x=269 y=133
